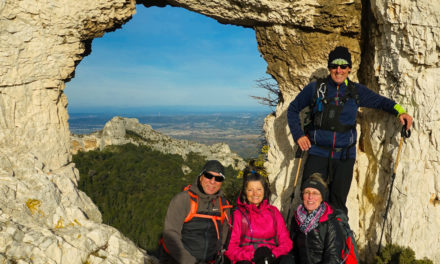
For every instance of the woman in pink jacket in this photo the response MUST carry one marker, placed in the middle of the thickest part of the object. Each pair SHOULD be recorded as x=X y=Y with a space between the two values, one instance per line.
x=259 y=233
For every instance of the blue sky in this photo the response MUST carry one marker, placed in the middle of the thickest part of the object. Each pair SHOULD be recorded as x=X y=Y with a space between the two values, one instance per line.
x=170 y=56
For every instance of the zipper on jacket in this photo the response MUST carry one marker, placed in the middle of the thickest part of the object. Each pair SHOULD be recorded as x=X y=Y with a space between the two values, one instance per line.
x=307 y=250
x=334 y=133
x=211 y=205
x=205 y=253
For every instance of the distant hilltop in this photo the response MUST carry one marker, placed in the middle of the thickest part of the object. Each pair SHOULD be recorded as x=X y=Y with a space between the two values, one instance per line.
x=121 y=130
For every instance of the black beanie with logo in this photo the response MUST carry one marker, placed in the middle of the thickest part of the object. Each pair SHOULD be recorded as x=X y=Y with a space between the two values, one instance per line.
x=338 y=56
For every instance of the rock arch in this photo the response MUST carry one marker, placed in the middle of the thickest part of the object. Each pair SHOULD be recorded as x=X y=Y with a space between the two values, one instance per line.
x=44 y=218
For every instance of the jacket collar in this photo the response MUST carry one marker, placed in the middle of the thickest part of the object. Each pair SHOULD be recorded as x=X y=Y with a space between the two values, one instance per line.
x=328 y=211
x=333 y=84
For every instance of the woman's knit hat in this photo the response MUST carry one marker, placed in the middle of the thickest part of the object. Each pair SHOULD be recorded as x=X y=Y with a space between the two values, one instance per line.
x=315 y=181
x=339 y=56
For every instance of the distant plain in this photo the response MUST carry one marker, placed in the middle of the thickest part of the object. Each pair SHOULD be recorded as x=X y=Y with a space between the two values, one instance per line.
x=242 y=130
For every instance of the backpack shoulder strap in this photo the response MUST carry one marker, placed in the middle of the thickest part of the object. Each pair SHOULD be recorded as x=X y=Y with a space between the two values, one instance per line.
x=194 y=200
x=228 y=237
x=224 y=206
x=353 y=91
x=320 y=90
x=245 y=225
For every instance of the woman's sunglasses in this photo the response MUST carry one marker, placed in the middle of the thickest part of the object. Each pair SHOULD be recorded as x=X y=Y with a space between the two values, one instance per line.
x=335 y=66
x=209 y=176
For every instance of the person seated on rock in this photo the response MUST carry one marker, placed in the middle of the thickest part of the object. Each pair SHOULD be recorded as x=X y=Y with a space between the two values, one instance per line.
x=259 y=233
x=316 y=235
x=197 y=220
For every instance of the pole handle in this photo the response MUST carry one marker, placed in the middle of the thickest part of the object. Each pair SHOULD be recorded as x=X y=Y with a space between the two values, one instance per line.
x=299 y=152
x=297 y=171
x=405 y=133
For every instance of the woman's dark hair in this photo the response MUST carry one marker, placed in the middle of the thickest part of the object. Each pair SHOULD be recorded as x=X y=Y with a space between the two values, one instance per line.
x=251 y=174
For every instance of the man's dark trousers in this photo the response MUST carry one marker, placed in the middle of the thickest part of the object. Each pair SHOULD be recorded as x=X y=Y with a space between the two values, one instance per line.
x=341 y=176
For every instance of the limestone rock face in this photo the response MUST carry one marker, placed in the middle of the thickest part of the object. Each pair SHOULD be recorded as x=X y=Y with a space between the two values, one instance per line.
x=120 y=130
x=45 y=219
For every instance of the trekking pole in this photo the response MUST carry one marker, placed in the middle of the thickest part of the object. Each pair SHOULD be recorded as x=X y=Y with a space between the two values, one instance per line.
x=299 y=154
x=403 y=134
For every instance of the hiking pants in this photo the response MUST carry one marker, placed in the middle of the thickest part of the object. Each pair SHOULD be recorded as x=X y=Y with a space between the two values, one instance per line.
x=341 y=177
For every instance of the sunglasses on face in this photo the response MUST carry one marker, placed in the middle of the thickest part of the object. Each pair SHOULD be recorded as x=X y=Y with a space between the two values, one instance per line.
x=217 y=178
x=335 y=66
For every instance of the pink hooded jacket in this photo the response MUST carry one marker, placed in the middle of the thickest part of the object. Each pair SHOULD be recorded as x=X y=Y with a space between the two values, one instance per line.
x=263 y=222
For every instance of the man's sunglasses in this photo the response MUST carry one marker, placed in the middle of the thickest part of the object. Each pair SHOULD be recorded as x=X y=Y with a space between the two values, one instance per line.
x=209 y=176
x=335 y=66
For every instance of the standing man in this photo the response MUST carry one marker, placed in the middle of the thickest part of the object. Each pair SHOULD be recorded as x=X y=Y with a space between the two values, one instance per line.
x=197 y=221
x=330 y=137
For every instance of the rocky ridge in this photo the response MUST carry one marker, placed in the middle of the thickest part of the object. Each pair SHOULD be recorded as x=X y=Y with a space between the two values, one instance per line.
x=121 y=130
x=395 y=46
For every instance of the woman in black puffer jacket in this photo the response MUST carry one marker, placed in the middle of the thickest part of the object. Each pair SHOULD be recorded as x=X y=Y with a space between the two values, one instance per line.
x=316 y=235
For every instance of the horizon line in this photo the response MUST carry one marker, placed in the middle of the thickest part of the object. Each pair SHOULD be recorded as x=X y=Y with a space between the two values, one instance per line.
x=191 y=108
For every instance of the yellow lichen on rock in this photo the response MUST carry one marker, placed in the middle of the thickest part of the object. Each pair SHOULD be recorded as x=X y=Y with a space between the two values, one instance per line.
x=59 y=223
x=34 y=206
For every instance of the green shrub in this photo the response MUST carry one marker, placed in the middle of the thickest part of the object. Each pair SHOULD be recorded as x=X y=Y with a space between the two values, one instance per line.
x=395 y=254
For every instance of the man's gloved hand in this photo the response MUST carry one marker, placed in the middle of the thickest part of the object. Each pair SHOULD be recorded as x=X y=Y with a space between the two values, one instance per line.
x=263 y=255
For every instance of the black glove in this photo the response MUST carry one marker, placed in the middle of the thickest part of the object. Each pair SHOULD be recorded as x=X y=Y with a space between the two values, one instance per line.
x=263 y=255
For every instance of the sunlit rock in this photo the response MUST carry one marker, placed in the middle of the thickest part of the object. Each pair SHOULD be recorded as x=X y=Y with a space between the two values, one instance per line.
x=44 y=218
x=121 y=130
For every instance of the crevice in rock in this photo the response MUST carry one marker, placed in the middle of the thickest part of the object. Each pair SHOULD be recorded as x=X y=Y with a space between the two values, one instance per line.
x=435 y=200
x=150 y=3
x=368 y=22
x=366 y=76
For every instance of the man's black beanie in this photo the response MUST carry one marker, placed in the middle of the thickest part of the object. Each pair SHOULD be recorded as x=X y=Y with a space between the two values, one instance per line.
x=339 y=53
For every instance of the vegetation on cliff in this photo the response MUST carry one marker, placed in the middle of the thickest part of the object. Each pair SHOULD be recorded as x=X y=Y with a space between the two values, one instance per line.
x=395 y=254
x=133 y=185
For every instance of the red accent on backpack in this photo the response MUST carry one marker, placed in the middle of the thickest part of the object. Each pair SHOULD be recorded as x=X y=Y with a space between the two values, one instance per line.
x=349 y=252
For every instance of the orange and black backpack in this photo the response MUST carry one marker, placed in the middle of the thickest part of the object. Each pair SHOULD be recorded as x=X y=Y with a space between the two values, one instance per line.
x=194 y=199
x=191 y=231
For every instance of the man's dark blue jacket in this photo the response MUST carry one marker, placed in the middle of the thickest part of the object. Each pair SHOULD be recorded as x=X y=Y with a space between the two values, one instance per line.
x=326 y=138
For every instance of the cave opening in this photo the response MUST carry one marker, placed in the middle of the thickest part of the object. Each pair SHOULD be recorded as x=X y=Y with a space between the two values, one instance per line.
x=168 y=61
x=186 y=75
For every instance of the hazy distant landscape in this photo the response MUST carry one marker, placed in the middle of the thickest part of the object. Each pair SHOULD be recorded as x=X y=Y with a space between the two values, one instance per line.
x=241 y=130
